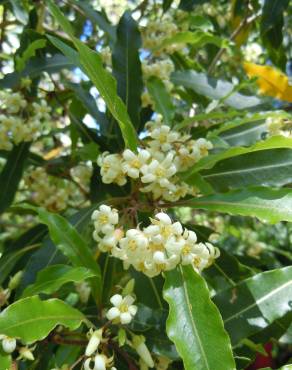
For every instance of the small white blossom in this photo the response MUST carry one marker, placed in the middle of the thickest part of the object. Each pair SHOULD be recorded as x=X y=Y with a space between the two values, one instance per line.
x=105 y=219
x=123 y=309
x=139 y=345
x=133 y=162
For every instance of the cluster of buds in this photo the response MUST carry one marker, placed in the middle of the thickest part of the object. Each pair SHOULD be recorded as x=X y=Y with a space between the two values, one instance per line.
x=51 y=192
x=161 y=69
x=166 y=153
x=156 y=32
x=159 y=247
x=278 y=126
x=20 y=119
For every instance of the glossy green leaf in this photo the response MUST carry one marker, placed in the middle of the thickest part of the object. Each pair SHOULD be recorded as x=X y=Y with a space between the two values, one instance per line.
x=52 y=278
x=92 y=65
x=275 y=142
x=127 y=66
x=214 y=89
x=5 y=360
x=31 y=319
x=194 y=322
x=12 y=174
x=265 y=167
x=255 y=303
x=72 y=245
x=267 y=204
x=162 y=99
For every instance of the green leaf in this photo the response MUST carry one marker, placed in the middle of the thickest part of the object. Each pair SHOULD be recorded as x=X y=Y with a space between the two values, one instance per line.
x=72 y=245
x=31 y=319
x=52 y=278
x=92 y=65
x=5 y=360
x=275 y=142
x=29 y=53
x=195 y=323
x=127 y=66
x=35 y=67
x=162 y=99
x=265 y=167
x=214 y=89
x=255 y=303
x=198 y=39
x=12 y=174
x=271 y=27
x=267 y=204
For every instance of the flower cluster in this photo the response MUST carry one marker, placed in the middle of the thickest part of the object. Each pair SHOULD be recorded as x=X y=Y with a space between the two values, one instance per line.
x=50 y=192
x=156 y=32
x=20 y=119
x=166 y=153
x=9 y=346
x=159 y=247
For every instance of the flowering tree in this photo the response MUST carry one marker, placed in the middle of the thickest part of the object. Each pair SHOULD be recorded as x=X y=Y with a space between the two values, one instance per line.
x=145 y=160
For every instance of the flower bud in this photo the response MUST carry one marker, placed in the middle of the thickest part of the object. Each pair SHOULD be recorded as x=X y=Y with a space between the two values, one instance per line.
x=8 y=344
x=142 y=350
x=26 y=354
x=93 y=342
x=15 y=280
x=100 y=362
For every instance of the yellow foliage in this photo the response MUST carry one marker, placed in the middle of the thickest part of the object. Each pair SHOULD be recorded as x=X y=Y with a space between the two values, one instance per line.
x=271 y=82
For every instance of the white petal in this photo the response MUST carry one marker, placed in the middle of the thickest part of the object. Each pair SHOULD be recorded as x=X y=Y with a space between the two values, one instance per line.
x=99 y=362
x=125 y=318
x=116 y=300
x=113 y=313
x=163 y=217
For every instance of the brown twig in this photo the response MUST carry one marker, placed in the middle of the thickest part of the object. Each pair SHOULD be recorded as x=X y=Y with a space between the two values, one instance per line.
x=245 y=22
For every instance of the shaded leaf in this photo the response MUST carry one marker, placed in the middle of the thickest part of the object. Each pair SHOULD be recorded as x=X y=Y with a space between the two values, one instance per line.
x=12 y=174
x=127 y=66
x=29 y=53
x=214 y=89
x=265 y=167
x=255 y=303
x=267 y=204
x=162 y=99
x=17 y=320
x=194 y=322
x=50 y=279
x=274 y=142
x=92 y=65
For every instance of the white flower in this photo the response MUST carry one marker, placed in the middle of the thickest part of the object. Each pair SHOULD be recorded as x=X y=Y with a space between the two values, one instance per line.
x=105 y=219
x=100 y=362
x=94 y=341
x=8 y=344
x=123 y=310
x=111 y=168
x=133 y=162
x=204 y=146
x=109 y=241
x=42 y=110
x=134 y=245
x=13 y=102
x=160 y=173
x=163 y=138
